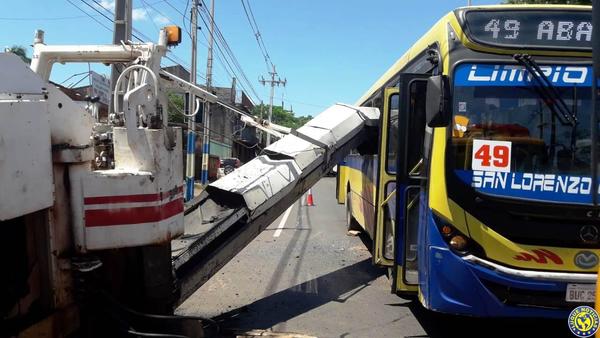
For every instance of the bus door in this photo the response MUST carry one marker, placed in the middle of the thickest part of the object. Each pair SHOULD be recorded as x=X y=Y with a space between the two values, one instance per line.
x=383 y=249
x=400 y=177
x=410 y=180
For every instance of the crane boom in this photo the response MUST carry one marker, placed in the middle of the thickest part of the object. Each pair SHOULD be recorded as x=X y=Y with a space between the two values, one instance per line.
x=242 y=204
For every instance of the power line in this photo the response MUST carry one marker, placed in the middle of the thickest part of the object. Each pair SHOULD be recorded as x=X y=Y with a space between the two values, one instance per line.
x=145 y=5
x=257 y=35
x=300 y=102
x=223 y=58
x=173 y=58
x=226 y=51
x=183 y=15
x=227 y=66
x=45 y=19
x=88 y=14
x=96 y=9
x=197 y=129
x=159 y=12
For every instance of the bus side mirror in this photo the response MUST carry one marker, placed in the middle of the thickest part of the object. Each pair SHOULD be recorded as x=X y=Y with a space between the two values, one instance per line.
x=437 y=109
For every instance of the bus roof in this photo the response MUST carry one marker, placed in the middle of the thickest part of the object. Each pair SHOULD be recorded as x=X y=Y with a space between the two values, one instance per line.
x=432 y=36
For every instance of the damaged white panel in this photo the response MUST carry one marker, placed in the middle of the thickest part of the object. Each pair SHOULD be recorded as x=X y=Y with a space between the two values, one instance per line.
x=336 y=125
x=16 y=77
x=303 y=152
x=25 y=158
x=26 y=182
x=265 y=180
x=277 y=177
x=257 y=182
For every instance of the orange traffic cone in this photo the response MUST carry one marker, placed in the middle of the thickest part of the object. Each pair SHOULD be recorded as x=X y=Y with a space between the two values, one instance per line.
x=309 y=198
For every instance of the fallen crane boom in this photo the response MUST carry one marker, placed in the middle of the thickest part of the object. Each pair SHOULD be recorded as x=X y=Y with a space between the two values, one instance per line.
x=243 y=203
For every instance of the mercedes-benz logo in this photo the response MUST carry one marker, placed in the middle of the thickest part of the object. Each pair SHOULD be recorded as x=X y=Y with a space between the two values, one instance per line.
x=589 y=234
x=586 y=259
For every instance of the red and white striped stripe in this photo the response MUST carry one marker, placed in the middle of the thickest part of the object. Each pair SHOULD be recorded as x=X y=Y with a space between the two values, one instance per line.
x=132 y=209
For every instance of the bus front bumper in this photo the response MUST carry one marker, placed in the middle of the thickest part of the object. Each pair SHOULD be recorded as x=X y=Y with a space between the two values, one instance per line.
x=469 y=285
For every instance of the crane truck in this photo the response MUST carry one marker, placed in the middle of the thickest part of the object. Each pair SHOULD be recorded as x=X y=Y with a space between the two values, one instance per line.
x=113 y=251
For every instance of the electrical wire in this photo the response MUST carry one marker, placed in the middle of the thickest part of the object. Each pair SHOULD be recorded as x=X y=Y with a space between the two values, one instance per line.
x=138 y=38
x=183 y=15
x=137 y=34
x=44 y=19
x=145 y=5
x=299 y=102
x=221 y=103
x=220 y=40
x=200 y=129
x=257 y=35
x=72 y=76
x=227 y=67
x=198 y=132
x=89 y=15
x=159 y=12
x=78 y=82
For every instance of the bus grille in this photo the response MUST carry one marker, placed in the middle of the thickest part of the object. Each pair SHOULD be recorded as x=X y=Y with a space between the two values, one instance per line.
x=529 y=298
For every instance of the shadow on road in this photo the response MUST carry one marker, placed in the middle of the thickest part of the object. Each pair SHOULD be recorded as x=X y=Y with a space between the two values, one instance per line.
x=438 y=325
x=301 y=298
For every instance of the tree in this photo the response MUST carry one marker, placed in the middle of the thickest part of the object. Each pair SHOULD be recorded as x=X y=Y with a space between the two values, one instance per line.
x=20 y=51
x=564 y=2
x=176 y=108
x=281 y=116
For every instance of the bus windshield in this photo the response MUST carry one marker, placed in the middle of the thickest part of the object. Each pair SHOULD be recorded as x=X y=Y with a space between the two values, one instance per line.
x=508 y=141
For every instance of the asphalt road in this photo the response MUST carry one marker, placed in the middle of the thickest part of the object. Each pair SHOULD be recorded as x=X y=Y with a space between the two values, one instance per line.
x=305 y=275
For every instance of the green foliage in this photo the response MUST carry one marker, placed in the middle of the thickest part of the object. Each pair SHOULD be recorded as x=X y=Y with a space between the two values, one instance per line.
x=176 y=108
x=281 y=116
x=20 y=51
x=543 y=2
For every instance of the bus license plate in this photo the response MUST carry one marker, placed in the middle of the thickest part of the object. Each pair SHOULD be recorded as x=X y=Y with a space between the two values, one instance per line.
x=581 y=293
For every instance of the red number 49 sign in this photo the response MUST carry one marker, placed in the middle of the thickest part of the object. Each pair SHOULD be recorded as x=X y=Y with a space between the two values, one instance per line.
x=491 y=155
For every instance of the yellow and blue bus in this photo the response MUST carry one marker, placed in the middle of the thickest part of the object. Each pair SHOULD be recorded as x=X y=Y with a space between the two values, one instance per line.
x=479 y=196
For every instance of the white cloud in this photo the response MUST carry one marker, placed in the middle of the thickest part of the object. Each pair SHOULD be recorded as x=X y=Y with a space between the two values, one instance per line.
x=139 y=14
x=108 y=4
x=161 y=20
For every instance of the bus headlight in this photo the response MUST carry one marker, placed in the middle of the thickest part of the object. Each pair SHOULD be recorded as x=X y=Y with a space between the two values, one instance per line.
x=458 y=242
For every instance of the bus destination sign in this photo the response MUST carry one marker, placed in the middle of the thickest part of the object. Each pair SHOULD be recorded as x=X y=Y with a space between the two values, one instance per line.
x=534 y=29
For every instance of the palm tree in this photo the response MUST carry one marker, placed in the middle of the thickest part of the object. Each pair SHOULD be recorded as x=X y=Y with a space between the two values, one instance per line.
x=20 y=51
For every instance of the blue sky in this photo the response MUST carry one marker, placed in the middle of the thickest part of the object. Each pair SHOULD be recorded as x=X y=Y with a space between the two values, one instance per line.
x=329 y=51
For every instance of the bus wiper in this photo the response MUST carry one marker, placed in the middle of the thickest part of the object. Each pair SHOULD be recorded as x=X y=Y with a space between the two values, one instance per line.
x=547 y=90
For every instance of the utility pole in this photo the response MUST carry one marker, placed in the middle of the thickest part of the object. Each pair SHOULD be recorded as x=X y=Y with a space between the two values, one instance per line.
x=273 y=83
x=469 y=3
x=190 y=166
x=206 y=120
x=122 y=32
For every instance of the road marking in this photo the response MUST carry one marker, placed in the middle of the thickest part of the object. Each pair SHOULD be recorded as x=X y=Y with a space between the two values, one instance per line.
x=282 y=222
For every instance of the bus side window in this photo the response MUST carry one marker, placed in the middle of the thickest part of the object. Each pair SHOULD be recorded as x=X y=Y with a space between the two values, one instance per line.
x=392 y=134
